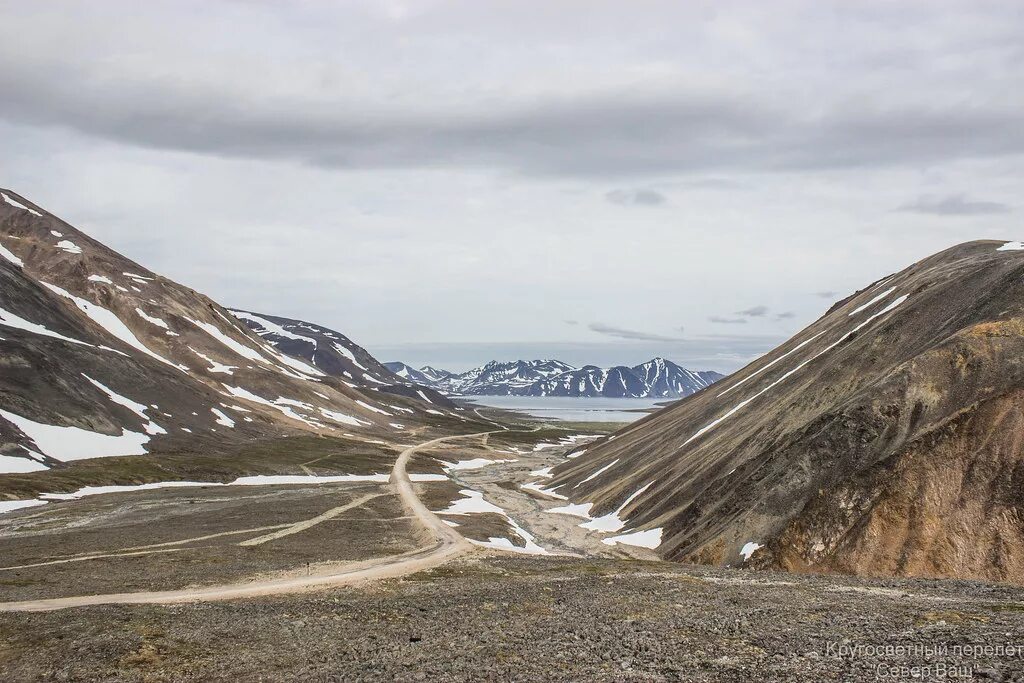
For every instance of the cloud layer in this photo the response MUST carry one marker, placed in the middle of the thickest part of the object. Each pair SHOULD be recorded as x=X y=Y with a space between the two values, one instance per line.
x=456 y=172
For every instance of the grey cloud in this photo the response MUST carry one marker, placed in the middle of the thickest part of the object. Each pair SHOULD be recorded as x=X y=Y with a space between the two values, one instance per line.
x=953 y=205
x=623 y=333
x=754 y=312
x=785 y=315
x=572 y=322
x=727 y=321
x=637 y=197
x=828 y=294
x=611 y=131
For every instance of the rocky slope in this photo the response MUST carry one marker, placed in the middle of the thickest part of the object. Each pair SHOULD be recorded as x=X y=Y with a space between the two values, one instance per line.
x=336 y=355
x=100 y=356
x=885 y=438
x=657 y=378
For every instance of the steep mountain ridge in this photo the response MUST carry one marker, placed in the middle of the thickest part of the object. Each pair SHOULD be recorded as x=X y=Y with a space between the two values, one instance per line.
x=101 y=356
x=336 y=355
x=657 y=378
x=882 y=439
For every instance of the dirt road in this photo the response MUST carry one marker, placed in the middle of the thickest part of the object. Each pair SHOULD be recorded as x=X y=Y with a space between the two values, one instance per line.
x=445 y=544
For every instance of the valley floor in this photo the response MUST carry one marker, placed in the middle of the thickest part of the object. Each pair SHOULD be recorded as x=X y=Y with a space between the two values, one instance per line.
x=500 y=617
x=582 y=611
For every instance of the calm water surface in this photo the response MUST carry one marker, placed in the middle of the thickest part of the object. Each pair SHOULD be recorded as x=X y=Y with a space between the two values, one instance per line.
x=573 y=409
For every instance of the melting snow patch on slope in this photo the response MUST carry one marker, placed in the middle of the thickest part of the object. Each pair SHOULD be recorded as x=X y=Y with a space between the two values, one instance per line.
x=111 y=323
x=742 y=404
x=12 y=505
x=280 y=404
x=873 y=301
x=151 y=427
x=236 y=346
x=69 y=246
x=612 y=521
x=768 y=365
x=214 y=365
x=12 y=465
x=649 y=538
x=1011 y=246
x=18 y=205
x=101 y=278
x=748 y=549
x=341 y=417
x=272 y=327
x=9 y=319
x=474 y=502
x=9 y=255
x=539 y=488
x=222 y=419
x=128 y=488
x=574 y=509
x=474 y=464
x=599 y=472
x=155 y=321
x=373 y=408
x=73 y=443
x=348 y=354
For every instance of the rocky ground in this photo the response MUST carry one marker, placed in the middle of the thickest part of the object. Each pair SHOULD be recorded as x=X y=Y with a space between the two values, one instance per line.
x=587 y=612
x=509 y=618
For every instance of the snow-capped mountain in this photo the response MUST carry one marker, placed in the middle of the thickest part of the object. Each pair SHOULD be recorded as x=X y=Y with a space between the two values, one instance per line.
x=665 y=378
x=411 y=374
x=433 y=374
x=495 y=378
x=336 y=355
x=103 y=357
x=657 y=378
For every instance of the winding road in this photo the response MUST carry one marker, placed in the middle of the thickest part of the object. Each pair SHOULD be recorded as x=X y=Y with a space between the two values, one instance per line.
x=445 y=544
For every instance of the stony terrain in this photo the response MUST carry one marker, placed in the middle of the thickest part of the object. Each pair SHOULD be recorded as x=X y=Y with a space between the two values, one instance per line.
x=586 y=611
x=503 y=618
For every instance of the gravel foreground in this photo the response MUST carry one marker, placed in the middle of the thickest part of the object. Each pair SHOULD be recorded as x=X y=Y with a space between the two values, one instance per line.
x=506 y=618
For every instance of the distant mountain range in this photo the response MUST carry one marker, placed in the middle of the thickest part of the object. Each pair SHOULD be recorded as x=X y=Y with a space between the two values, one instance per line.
x=657 y=378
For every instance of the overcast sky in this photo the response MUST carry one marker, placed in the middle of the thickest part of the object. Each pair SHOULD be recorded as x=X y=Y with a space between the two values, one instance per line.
x=590 y=180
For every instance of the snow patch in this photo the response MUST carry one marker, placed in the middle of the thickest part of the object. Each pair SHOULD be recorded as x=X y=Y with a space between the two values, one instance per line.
x=222 y=419
x=18 y=205
x=12 y=465
x=474 y=464
x=139 y=409
x=12 y=505
x=599 y=472
x=873 y=301
x=612 y=521
x=9 y=319
x=373 y=408
x=748 y=549
x=112 y=324
x=341 y=417
x=649 y=538
x=73 y=443
x=9 y=255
